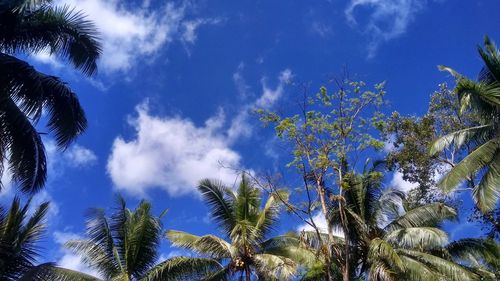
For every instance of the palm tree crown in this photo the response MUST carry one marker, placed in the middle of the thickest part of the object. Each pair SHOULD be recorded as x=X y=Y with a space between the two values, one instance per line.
x=28 y=27
x=124 y=247
x=247 y=251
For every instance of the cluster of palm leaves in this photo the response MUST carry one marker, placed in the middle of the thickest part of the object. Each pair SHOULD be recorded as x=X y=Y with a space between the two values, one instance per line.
x=28 y=27
x=482 y=142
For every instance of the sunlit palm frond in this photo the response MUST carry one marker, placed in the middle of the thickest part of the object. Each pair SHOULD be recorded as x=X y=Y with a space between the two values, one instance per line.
x=417 y=271
x=269 y=214
x=380 y=250
x=275 y=267
x=470 y=165
x=425 y=238
x=208 y=244
x=426 y=215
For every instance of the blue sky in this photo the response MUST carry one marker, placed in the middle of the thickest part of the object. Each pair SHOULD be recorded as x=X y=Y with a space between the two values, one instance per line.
x=177 y=79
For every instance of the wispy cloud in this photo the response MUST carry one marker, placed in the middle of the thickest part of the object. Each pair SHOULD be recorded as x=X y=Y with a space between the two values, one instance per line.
x=171 y=153
x=386 y=19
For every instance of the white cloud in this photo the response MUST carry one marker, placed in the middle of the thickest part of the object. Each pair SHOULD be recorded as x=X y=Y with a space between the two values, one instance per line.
x=131 y=32
x=79 y=156
x=399 y=183
x=240 y=83
x=388 y=19
x=240 y=126
x=171 y=153
x=270 y=96
x=321 y=29
x=189 y=27
x=320 y=222
x=69 y=260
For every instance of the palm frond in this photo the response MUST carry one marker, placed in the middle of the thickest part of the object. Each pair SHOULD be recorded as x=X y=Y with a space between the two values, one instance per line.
x=426 y=215
x=209 y=244
x=221 y=202
x=417 y=271
x=49 y=272
x=476 y=160
x=61 y=30
x=182 y=268
x=491 y=59
x=380 y=250
x=487 y=192
x=485 y=250
x=268 y=215
x=460 y=137
x=274 y=267
x=425 y=238
x=27 y=160
x=34 y=91
x=450 y=270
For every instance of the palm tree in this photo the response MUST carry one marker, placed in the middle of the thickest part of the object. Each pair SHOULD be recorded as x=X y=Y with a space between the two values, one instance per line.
x=483 y=159
x=19 y=235
x=29 y=27
x=124 y=247
x=402 y=241
x=246 y=250
x=388 y=240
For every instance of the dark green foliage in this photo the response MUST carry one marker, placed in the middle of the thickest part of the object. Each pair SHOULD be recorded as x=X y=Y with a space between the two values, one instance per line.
x=30 y=27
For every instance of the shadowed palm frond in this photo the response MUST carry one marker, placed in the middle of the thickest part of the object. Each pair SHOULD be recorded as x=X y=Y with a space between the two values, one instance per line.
x=50 y=272
x=221 y=201
x=21 y=228
x=60 y=30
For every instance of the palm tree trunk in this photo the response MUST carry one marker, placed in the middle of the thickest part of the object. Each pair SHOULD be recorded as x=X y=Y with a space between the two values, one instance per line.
x=321 y=192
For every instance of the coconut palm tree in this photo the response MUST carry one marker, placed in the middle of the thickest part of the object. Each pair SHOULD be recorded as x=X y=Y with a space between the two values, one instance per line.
x=483 y=141
x=19 y=235
x=246 y=250
x=388 y=240
x=125 y=246
x=29 y=27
